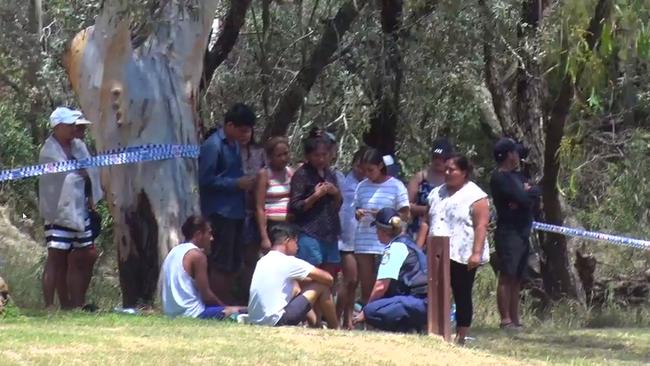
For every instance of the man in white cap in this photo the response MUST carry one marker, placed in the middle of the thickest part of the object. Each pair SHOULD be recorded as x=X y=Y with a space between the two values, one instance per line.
x=64 y=206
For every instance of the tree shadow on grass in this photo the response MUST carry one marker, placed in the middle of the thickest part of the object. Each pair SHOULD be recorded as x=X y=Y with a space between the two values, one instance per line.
x=565 y=347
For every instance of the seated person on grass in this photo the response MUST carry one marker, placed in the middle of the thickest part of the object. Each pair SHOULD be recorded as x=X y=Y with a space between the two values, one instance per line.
x=285 y=290
x=184 y=276
x=398 y=301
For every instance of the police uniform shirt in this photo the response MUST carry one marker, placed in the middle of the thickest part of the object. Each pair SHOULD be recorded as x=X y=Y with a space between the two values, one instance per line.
x=392 y=261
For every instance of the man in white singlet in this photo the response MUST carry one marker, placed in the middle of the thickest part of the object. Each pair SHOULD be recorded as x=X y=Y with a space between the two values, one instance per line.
x=184 y=276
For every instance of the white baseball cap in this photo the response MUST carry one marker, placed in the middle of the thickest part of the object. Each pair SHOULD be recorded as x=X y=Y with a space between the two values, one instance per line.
x=67 y=116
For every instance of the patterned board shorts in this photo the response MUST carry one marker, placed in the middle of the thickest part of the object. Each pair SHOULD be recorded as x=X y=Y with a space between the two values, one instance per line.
x=63 y=238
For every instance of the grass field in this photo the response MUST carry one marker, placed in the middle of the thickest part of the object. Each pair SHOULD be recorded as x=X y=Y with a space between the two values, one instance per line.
x=111 y=339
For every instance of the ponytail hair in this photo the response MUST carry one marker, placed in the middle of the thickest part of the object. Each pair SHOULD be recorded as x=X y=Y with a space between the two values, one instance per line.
x=397 y=225
x=394 y=228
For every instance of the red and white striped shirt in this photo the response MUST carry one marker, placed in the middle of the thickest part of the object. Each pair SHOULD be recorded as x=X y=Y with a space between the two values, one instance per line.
x=277 y=195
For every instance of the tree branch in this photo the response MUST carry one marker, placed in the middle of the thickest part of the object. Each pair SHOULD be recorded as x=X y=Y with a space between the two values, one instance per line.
x=227 y=39
x=501 y=98
x=293 y=96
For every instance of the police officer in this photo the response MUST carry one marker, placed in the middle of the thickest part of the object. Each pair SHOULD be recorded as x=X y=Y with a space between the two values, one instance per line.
x=398 y=301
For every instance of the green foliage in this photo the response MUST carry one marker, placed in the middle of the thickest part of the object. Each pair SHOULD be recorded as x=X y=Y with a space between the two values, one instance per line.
x=16 y=150
x=10 y=311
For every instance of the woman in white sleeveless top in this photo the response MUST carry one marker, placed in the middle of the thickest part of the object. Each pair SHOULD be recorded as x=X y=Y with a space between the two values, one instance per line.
x=459 y=209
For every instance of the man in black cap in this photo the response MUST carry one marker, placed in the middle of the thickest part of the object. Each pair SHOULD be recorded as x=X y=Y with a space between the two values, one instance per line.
x=398 y=301
x=514 y=199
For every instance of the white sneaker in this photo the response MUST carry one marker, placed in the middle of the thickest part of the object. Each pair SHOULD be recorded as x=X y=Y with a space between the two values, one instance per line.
x=242 y=319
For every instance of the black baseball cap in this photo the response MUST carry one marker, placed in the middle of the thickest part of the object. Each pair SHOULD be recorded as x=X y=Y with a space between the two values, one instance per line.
x=442 y=147
x=506 y=145
x=383 y=216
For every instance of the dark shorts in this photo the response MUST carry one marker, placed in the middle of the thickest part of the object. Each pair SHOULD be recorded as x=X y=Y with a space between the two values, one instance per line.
x=227 y=247
x=317 y=252
x=213 y=312
x=295 y=312
x=397 y=313
x=512 y=250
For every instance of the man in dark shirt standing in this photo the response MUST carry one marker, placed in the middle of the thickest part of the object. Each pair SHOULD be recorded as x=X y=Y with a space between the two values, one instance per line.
x=222 y=187
x=514 y=199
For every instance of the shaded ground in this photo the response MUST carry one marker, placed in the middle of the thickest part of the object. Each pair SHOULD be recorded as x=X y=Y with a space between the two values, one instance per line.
x=630 y=346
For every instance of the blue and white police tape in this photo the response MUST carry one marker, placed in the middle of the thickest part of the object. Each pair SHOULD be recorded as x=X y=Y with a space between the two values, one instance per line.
x=618 y=240
x=128 y=155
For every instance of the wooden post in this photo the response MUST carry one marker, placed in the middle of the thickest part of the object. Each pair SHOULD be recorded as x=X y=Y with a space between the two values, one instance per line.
x=439 y=288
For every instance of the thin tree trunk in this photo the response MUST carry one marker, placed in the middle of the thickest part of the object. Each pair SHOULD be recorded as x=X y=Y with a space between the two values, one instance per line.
x=35 y=25
x=382 y=134
x=264 y=61
x=501 y=97
x=233 y=23
x=530 y=84
x=140 y=96
x=559 y=278
x=292 y=98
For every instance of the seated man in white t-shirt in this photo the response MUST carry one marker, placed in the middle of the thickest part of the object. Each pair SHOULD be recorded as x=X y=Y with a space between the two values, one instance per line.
x=285 y=289
x=184 y=276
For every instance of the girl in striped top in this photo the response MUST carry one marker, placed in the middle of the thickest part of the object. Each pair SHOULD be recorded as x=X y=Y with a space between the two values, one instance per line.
x=379 y=190
x=273 y=187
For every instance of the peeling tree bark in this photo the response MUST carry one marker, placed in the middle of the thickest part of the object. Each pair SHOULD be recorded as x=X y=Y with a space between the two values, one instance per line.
x=139 y=96
x=292 y=98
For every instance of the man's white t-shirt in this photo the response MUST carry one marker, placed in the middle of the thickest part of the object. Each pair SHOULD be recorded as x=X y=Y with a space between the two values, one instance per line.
x=272 y=286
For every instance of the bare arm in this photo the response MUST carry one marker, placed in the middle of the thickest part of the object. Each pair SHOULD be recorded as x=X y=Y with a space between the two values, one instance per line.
x=320 y=276
x=199 y=271
x=260 y=199
x=379 y=290
x=423 y=231
x=405 y=213
x=412 y=188
x=480 y=219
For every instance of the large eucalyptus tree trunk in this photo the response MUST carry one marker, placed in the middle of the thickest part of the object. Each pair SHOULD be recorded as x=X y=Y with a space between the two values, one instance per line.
x=141 y=95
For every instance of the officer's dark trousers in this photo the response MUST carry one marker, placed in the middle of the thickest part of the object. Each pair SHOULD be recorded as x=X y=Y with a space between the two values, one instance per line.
x=397 y=313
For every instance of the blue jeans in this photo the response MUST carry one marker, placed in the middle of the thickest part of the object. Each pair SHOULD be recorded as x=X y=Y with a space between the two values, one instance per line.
x=397 y=313
x=213 y=312
x=317 y=252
